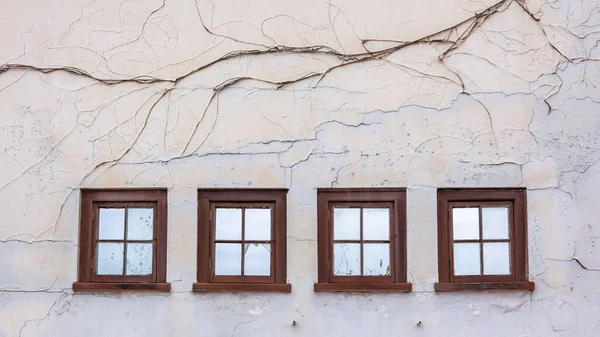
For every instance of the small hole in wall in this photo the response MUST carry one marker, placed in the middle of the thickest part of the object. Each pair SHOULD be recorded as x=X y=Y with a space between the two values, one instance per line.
x=294 y=323
x=419 y=323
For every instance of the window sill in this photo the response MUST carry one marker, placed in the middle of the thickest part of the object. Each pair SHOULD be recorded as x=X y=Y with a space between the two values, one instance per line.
x=447 y=287
x=363 y=287
x=242 y=287
x=85 y=286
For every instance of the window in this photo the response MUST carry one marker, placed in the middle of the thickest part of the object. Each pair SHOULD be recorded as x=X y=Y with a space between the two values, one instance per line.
x=242 y=240
x=482 y=239
x=362 y=239
x=122 y=240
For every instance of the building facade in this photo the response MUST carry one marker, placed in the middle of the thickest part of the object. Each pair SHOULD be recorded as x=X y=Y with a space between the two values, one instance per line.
x=306 y=97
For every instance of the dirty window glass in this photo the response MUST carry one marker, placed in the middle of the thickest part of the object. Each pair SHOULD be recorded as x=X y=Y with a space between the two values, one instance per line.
x=361 y=242
x=124 y=243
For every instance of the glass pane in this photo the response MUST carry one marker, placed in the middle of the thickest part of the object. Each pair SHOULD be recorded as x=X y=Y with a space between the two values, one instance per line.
x=346 y=223
x=376 y=259
x=229 y=224
x=346 y=259
x=496 y=258
x=376 y=224
x=111 y=223
x=465 y=223
x=140 y=223
x=139 y=259
x=258 y=224
x=109 y=259
x=466 y=259
x=228 y=259
x=257 y=259
x=495 y=222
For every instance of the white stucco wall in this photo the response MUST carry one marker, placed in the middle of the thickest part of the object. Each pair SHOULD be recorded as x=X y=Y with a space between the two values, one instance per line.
x=178 y=94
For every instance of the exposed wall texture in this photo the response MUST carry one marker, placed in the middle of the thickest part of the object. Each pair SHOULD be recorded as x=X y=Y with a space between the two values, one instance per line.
x=299 y=94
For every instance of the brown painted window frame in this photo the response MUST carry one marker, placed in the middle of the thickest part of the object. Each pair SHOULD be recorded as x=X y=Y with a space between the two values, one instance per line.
x=395 y=198
x=516 y=200
x=91 y=200
x=208 y=200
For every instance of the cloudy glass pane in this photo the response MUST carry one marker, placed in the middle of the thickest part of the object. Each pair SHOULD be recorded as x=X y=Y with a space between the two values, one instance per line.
x=496 y=258
x=465 y=223
x=346 y=259
x=467 y=259
x=111 y=223
x=228 y=259
x=140 y=223
x=228 y=224
x=346 y=223
x=376 y=259
x=139 y=259
x=257 y=224
x=495 y=222
x=109 y=259
x=376 y=224
x=257 y=259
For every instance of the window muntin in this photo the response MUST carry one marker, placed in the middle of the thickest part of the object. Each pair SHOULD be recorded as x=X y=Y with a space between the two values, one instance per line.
x=124 y=240
x=481 y=243
x=361 y=240
x=242 y=244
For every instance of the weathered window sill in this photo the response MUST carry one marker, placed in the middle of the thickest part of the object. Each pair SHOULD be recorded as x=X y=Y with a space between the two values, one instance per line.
x=85 y=286
x=242 y=287
x=447 y=287
x=363 y=287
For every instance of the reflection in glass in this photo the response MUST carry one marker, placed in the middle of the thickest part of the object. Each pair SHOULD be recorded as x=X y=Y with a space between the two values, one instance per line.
x=257 y=259
x=228 y=259
x=109 y=259
x=496 y=258
x=346 y=259
x=111 y=223
x=140 y=223
x=495 y=222
x=376 y=223
x=465 y=223
x=467 y=259
x=139 y=259
x=346 y=223
x=376 y=259
x=228 y=224
x=257 y=224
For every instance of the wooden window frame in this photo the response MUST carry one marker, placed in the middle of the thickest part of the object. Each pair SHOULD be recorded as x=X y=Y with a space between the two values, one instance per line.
x=208 y=200
x=91 y=201
x=395 y=199
x=516 y=201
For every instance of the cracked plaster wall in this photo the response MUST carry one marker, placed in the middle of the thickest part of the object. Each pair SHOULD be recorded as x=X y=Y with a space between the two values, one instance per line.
x=303 y=94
